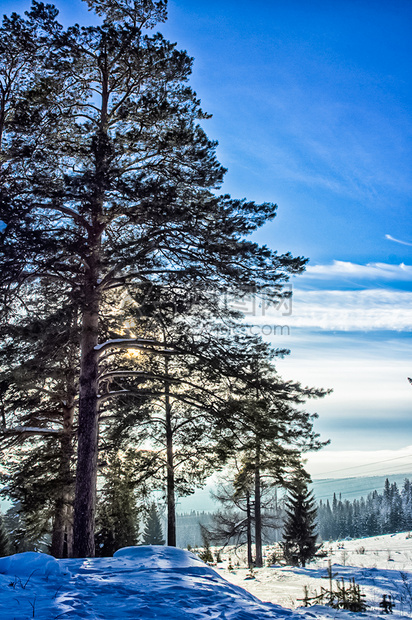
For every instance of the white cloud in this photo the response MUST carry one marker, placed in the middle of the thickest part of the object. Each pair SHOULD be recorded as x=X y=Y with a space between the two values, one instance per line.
x=345 y=296
x=334 y=310
x=345 y=269
x=390 y=238
x=331 y=463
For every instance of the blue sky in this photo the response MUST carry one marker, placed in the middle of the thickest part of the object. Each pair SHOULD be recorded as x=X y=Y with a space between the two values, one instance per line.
x=311 y=105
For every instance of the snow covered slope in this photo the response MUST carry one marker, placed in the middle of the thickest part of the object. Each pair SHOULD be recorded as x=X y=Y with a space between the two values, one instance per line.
x=143 y=583
x=381 y=565
x=138 y=582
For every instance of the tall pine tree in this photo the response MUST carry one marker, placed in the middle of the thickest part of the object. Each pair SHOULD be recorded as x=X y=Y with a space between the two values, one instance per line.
x=110 y=182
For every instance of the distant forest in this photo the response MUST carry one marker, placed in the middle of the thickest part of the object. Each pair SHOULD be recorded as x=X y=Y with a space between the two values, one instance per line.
x=387 y=512
x=380 y=513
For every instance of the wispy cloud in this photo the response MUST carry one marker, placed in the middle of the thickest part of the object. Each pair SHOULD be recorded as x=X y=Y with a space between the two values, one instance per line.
x=390 y=238
x=334 y=310
x=345 y=296
x=371 y=271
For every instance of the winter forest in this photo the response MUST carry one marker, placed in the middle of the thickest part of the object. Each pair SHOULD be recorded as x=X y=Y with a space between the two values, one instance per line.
x=128 y=372
x=131 y=375
x=379 y=513
x=127 y=376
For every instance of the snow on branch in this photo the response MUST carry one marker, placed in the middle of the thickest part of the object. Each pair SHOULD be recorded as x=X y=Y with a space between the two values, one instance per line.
x=136 y=393
x=31 y=430
x=140 y=374
x=66 y=211
x=144 y=344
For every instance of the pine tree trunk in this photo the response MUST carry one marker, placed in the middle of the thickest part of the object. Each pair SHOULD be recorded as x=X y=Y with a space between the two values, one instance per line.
x=171 y=501
x=86 y=473
x=68 y=546
x=249 y=531
x=57 y=543
x=61 y=523
x=258 y=514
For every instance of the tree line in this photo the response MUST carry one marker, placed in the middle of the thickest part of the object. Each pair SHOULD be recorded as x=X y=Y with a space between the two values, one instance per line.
x=117 y=254
x=387 y=512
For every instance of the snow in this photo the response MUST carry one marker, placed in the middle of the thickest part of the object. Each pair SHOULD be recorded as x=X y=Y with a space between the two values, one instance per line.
x=41 y=430
x=166 y=583
x=379 y=564
x=114 y=342
x=30 y=562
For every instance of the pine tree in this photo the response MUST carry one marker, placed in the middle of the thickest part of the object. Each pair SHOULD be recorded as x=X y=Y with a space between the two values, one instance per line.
x=299 y=537
x=153 y=534
x=38 y=360
x=23 y=535
x=113 y=184
x=265 y=432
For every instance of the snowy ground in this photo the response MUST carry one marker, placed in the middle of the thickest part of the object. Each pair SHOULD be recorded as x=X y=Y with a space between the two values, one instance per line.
x=380 y=565
x=159 y=582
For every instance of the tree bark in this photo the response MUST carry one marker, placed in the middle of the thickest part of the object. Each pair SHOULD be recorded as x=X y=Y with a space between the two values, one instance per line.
x=86 y=473
x=88 y=432
x=171 y=500
x=249 y=531
x=57 y=543
x=258 y=514
x=62 y=523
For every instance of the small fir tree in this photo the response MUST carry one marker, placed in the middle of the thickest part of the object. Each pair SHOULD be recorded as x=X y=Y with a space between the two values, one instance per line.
x=206 y=554
x=299 y=537
x=153 y=534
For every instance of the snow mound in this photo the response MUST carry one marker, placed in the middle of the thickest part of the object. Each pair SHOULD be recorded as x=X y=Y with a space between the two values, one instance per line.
x=30 y=563
x=161 y=557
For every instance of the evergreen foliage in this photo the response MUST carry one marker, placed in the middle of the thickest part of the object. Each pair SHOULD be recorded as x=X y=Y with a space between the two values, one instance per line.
x=108 y=187
x=25 y=536
x=38 y=368
x=153 y=534
x=299 y=537
x=338 y=596
x=206 y=554
x=380 y=513
x=117 y=518
x=4 y=538
x=234 y=523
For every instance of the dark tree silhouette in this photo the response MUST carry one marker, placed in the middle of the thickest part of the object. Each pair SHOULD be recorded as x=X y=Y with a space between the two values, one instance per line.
x=153 y=534
x=299 y=534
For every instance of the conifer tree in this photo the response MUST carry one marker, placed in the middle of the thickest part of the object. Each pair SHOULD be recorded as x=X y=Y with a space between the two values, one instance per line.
x=271 y=432
x=4 y=538
x=117 y=514
x=39 y=364
x=299 y=533
x=112 y=183
x=153 y=534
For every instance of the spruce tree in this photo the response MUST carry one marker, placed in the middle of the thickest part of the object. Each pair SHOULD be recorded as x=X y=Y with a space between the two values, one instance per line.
x=153 y=534
x=117 y=511
x=299 y=531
